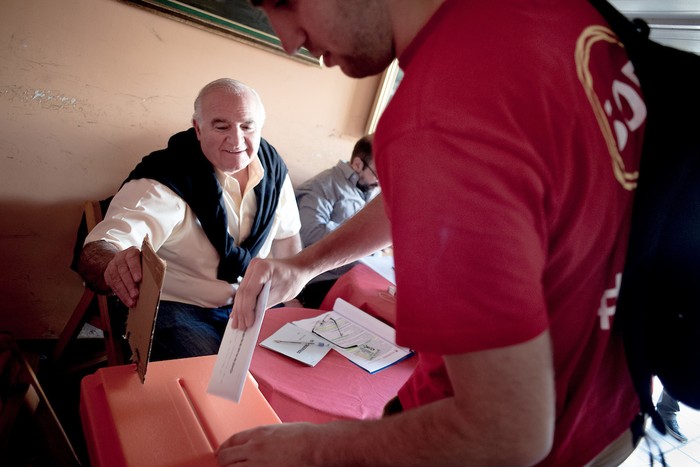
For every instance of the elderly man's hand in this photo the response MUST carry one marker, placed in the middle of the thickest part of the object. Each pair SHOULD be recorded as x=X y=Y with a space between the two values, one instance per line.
x=123 y=275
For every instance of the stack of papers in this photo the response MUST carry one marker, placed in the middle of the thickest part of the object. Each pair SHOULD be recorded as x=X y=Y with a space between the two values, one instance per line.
x=358 y=336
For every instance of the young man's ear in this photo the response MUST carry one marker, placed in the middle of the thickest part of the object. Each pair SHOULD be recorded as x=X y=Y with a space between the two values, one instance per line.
x=357 y=165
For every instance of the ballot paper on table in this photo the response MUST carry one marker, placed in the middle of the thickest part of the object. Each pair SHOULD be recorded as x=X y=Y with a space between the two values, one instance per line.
x=298 y=343
x=358 y=336
x=235 y=353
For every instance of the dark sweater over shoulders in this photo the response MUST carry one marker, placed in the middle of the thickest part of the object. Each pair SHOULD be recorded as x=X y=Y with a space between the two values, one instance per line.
x=184 y=168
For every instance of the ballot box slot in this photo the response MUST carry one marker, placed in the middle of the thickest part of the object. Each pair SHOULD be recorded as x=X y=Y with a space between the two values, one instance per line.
x=197 y=413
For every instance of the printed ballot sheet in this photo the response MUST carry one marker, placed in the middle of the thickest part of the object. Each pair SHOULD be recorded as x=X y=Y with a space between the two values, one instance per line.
x=235 y=354
x=297 y=343
x=358 y=336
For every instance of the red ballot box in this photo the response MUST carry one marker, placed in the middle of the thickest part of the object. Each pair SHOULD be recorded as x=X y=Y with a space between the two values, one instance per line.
x=168 y=421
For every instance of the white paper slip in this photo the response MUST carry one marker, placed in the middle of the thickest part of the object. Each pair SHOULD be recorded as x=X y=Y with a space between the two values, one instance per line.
x=382 y=265
x=358 y=336
x=235 y=354
x=297 y=343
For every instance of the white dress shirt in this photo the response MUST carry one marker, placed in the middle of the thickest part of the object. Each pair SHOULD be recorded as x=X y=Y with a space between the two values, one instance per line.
x=146 y=207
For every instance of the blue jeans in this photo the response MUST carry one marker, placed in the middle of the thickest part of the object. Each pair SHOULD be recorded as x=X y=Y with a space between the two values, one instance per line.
x=667 y=406
x=183 y=330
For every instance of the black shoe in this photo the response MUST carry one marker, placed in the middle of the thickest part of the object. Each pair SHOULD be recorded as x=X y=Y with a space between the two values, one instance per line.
x=673 y=429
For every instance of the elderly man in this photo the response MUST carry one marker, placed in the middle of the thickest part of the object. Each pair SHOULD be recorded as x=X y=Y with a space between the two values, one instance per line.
x=505 y=158
x=216 y=197
x=328 y=199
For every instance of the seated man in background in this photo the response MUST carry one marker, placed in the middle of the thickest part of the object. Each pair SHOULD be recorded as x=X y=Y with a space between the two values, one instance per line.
x=327 y=200
x=216 y=197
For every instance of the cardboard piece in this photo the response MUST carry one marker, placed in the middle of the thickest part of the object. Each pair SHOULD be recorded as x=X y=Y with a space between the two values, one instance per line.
x=142 y=318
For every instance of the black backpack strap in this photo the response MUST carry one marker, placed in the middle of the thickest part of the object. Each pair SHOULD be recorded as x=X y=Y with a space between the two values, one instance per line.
x=632 y=35
x=629 y=32
x=658 y=305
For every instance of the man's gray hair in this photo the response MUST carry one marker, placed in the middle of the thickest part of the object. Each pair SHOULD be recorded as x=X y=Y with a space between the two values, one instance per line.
x=232 y=86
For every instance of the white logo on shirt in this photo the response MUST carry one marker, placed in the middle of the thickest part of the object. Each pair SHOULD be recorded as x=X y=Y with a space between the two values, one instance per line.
x=610 y=295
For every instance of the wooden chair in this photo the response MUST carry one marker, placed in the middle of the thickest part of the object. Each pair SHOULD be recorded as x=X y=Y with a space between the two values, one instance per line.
x=92 y=308
x=30 y=431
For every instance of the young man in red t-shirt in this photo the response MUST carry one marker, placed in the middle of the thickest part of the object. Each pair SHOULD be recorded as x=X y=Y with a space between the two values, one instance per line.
x=508 y=159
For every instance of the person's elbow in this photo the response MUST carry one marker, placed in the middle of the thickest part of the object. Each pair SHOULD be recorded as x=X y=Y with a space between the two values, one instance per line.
x=511 y=446
x=505 y=401
x=533 y=447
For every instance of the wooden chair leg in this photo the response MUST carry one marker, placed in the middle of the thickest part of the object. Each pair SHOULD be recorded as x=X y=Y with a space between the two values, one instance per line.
x=74 y=325
x=23 y=397
x=81 y=315
x=85 y=313
x=115 y=355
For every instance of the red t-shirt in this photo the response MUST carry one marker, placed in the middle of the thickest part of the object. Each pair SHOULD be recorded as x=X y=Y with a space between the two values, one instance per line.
x=508 y=159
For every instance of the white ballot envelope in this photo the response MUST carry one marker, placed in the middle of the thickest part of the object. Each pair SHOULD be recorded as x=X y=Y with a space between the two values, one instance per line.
x=235 y=354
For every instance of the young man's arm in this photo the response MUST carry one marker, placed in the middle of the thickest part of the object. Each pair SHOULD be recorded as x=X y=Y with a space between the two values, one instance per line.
x=502 y=414
x=366 y=232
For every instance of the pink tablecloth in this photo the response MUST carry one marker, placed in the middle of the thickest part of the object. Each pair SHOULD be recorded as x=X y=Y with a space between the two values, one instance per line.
x=335 y=389
x=367 y=290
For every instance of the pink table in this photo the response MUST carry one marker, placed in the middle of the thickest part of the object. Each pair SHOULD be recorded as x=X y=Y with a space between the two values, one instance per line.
x=335 y=389
x=367 y=290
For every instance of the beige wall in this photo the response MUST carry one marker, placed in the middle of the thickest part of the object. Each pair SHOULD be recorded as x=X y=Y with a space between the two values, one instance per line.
x=87 y=87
